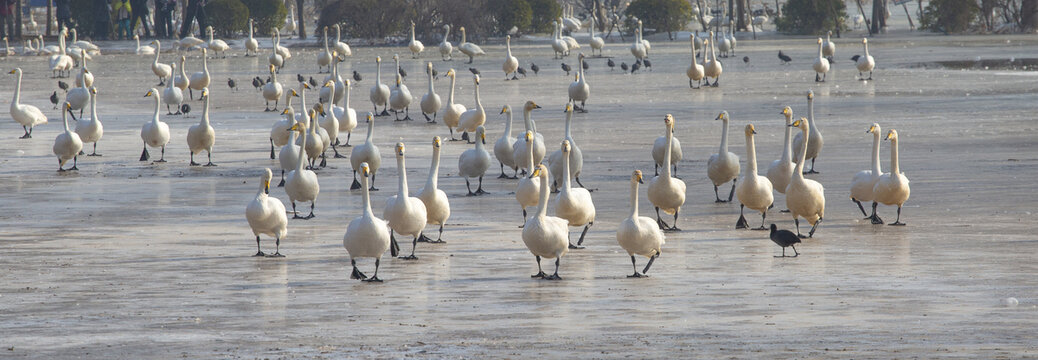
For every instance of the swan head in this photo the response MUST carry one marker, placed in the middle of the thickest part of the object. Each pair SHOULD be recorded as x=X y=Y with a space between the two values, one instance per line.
x=399 y=149
x=15 y=71
x=305 y=85
x=873 y=129
x=436 y=142
x=450 y=73
x=669 y=121
x=265 y=180
x=318 y=108
x=378 y=59
x=370 y=118
x=636 y=177
x=475 y=78
x=891 y=135
x=810 y=94
x=329 y=84
x=569 y=108
x=788 y=112
x=539 y=171
x=135 y=37
x=294 y=93
x=93 y=90
x=482 y=132
x=801 y=123
x=750 y=130
x=313 y=114
x=819 y=41
x=396 y=57
x=68 y=107
x=271 y=68
x=151 y=92
x=365 y=170
x=530 y=105
x=506 y=109
x=299 y=126
x=722 y=116
x=830 y=33
x=864 y=40
x=446 y=27
x=565 y=147
x=287 y=111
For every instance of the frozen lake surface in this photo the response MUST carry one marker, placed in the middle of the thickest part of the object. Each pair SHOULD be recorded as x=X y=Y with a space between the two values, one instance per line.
x=129 y=259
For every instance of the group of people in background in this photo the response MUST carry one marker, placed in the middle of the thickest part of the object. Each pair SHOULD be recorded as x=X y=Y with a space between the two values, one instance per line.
x=126 y=14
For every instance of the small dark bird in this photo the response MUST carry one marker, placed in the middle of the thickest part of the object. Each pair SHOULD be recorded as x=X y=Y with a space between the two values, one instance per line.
x=474 y=71
x=566 y=68
x=635 y=67
x=434 y=72
x=257 y=83
x=536 y=69
x=521 y=71
x=584 y=64
x=785 y=238
x=623 y=66
x=610 y=64
x=54 y=99
x=231 y=84
x=356 y=76
x=746 y=60
x=312 y=82
x=402 y=72
x=855 y=58
x=63 y=85
x=300 y=78
x=830 y=58
x=268 y=80
x=185 y=108
x=785 y=58
x=648 y=64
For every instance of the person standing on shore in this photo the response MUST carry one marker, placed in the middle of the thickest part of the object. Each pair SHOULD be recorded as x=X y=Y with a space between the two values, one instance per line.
x=195 y=11
x=122 y=12
x=64 y=13
x=140 y=13
x=102 y=19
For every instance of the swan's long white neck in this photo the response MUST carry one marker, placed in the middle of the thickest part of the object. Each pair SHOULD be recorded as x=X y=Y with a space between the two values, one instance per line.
x=529 y=152
x=666 y=153
x=580 y=70
x=205 y=64
x=366 y=197
x=569 y=121
x=399 y=79
x=634 y=199
x=64 y=119
x=724 y=138
x=565 y=171
x=338 y=37
x=751 y=156
x=462 y=35
x=302 y=148
x=434 y=170
x=446 y=33
x=158 y=50
x=479 y=143
x=819 y=50
x=173 y=68
x=713 y=54
x=508 y=48
x=693 y=40
x=875 y=153
x=274 y=77
x=431 y=90
x=866 y=44
x=155 y=119
x=250 y=30
x=591 y=29
x=378 y=73
x=798 y=173
x=450 y=96
x=138 y=43
x=787 y=148
x=346 y=98
x=895 y=166
x=205 y=112
x=17 y=90
x=93 y=108
x=508 y=125
x=183 y=69
x=542 y=206
x=527 y=121
x=476 y=91
x=325 y=33
x=210 y=35
x=371 y=131
x=412 y=32
x=401 y=180
x=811 y=114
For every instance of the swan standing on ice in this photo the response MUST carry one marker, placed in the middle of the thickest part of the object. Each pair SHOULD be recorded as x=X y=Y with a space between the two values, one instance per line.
x=805 y=197
x=892 y=188
x=519 y=154
x=379 y=92
x=342 y=49
x=473 y=163
x=828 y=46
x=430 y=103
x=665 y=192
x=445 y=46
x=864 y=181
x=711 y=66
x=143 y=50
x=574 y=204
x=469 y=49
x=576 y=157
x=866 y=62
x=579 y=89
x=366 y=154
x=474 y=117
x=266 y=216
x=251 y=45
x=814 y=142
x=67 y=145
x=437 y=207
x=200 y=79
x=596 y=42
x=695 y=71
x=406 y=214
x=511 y=64
x=367 y=235
x=414 y=45
x=452 y=116
x=90 y=130
x=202 y=136
x=172 y=95
x=781 y=171
x=400 y=97
x=754 y=191
x=324 y=58
x=639 y=235
x=723 y=166
x=163 y=71
x=301 y=184
x=155 y=133
x=545 y=236
x=528 y=189
x=27 y=116
x=504 y=146
x=821 y=64
x=272 y=91
x=217 y=46
x=279 y=133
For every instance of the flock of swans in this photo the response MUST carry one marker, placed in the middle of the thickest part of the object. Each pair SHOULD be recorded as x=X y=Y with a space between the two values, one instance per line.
x=305 y=136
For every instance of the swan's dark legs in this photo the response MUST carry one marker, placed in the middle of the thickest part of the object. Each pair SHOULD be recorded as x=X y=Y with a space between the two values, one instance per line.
x=374 y=277
x=732 y=193
x=635 y=265
x=875 y=217
x=555 y=276
x=277 y=248
x=741 y=223
x=354 y=186
x=651 y=260
x=897 y=222
x=479 y=189
x=540 y=273
x=258 y=251
x=356 y=274
x=414 y=244
x=862 y=208
x=272 y=148
x=811 y=233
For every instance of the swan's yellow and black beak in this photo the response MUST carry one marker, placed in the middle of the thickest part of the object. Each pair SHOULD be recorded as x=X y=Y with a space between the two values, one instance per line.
x=365 y=170
x=329 y=83
x=436 y=141
x=504 y=109
x=205 y=93
x=370 y=117
x=283 y=112
x=400 y=149
x=810 y=94
x=535 y=106
x=787 y=111
x=477 y=79
x=871 y=129
x=720 y=116
x=294 y=93
x=266 y=187
x=295 y=127
x=890 y=135
x=93 y=90
x=320 y=109
x=569 y=108
x=149 y=93
x=483 y=138
x=378 y=59
x=536 y=172
x=638 y=176
x=13 y=71
x=271 y=68
x=306 y=86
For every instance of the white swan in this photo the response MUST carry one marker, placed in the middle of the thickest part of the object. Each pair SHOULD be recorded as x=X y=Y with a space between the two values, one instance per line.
x=559 y=46
x=527 y=191
x=570 y=41
x=272 y=91
x=366 y=153
x=251 y=44
x=866 y=62
x=155 y=133
x=731 y=39
x=821 y=64
x=639 y=235
x=163 y=71
x=519 y=154
x=27 y=116
x=864 y=181
x=83 y=44
x=576 y=157
x=724 y=44
x=348 y=117
x=437 y=207
x=780 y=171
x=665 y=192
x=892 y=188
x=659 y=150
x=90 y=130
x=143 y=50
x=329 y=122
x=406 y=214
x=324 y=58
x=723 y=166
x=288 y=157
x=754 y=191
x=84 y=76
x=473 y=163
x=67 y=145
x=446 y=48
x=78 y=97
x=202 y=136
x=695 y=71
x=217 y=46
x=638 y=47
x=579 y=89
x=367 y=235
x=574 y=204
x=317 y=140
x=474 y=117
x=511 y=64
x=301 y=184
x=266 y=216
x=60 y=62
x=814 y=142
x=503 y=147
x=189 y=42
x=712 y=66
x=469 y=49
x=290 y=22
x=430 y=103
x=180 y=78
x=452 y=115
x=545 y=236
x=200 y=79
x=275 y=59
x=828 y=46
x=379 y=92
x=641 y=37
x=597 y=43
x=281 y=50
x=414 y=45
x=805 y=197
x=342 y=49
x=279 y=133
x=172 y=95
x=400 y=97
